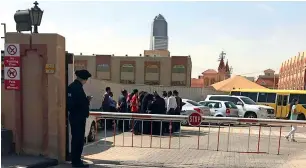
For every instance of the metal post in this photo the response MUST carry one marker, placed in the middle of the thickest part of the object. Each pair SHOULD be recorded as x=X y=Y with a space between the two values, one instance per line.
x=269 y=140
x=249 y=137
x=105 y=132
x=279 y=139
x=123 y=121
x=132 y=132
x=114 y=126
x=151 y=134
x=141 y=133
x=218 y=138
x=170 y=131
x=228 y=136
x=208 y=135
x=96 y=125
x=160 y=133
x=180 y=135
x=4 y=29
x=199 y=137
x=259 y=134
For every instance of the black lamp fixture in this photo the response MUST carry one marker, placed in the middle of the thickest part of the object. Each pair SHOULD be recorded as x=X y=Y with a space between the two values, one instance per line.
x=36 y=15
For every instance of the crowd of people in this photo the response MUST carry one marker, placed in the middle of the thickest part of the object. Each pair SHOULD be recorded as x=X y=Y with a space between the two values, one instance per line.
x=135 y=102
x=169 y=103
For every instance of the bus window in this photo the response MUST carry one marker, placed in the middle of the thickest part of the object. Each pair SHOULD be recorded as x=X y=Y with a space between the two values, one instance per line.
x=235 y=93
x=300 y=97
x=251 y=95
x=262 y=97
x=271 y=97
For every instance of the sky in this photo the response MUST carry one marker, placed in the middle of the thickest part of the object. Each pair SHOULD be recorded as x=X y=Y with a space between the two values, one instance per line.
x=255 y=35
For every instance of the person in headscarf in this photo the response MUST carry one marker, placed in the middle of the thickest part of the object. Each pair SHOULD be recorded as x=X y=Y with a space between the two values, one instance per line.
x=123 y=108
x=158 y=107
x=165 y=97
x=78 y=108
x=294 y=116
x=290 y=108
x=146 y=109
x=142 y=94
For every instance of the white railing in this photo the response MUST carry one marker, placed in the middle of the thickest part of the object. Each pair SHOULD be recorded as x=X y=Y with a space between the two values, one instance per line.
x=132 y=118
x=221 y=120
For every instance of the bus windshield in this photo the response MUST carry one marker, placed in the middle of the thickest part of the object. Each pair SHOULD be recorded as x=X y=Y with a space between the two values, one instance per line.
x=247 y=100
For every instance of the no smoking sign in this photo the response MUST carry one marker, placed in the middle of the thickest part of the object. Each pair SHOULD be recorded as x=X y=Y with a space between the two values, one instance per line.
x=12 y=50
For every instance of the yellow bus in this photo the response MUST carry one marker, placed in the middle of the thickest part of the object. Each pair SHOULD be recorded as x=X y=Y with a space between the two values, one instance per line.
x=278 y=99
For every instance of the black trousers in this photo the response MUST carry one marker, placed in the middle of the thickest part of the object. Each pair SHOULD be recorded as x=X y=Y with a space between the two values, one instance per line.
x=166 y=125
x=176 y=125
x=77 y=126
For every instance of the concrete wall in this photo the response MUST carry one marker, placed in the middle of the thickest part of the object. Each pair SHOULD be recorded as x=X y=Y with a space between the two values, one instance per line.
x=96 y=88
x=36 y=113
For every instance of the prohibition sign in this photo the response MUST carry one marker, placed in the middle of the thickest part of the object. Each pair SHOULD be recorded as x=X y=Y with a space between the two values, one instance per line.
x=11 y=49
x=11 y=73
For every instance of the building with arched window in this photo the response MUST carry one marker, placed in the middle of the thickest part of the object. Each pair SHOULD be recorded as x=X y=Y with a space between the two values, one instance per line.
x=211 y=76
x=148 y=69
x=292 y=74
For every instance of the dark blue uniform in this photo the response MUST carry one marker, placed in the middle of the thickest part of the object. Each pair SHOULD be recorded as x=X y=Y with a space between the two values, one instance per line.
x=78 y=107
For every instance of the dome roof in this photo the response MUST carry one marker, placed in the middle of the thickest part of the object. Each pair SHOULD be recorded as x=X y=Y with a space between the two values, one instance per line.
x=210 y=71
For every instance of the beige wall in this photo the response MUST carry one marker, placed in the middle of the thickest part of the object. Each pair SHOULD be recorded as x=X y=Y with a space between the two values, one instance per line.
x=116 y=75
x=95 y=87
x=157 y=53
x=36 y=114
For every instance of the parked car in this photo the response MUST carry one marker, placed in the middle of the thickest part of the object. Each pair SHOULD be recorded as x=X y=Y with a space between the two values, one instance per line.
x=221 y=108
x=247 y=108
x=90 y=129
x=190 y=106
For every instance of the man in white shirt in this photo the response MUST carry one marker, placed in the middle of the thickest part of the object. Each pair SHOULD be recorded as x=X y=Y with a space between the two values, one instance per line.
x=171 y=104
x=165 y=96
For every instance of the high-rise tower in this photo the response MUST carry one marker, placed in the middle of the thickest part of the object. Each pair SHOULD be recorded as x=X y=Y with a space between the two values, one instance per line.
x=159 y=36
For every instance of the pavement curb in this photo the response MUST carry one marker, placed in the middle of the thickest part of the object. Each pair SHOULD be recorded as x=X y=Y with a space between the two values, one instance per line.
x=43 y=164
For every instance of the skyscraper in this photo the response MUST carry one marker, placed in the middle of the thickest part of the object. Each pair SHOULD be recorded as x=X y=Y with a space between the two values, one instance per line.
x=159 y=36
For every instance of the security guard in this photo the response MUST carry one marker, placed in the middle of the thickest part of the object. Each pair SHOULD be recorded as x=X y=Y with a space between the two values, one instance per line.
x=78 y=107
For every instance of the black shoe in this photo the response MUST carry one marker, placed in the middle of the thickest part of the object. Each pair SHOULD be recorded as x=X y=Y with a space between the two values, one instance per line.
x=80 y=165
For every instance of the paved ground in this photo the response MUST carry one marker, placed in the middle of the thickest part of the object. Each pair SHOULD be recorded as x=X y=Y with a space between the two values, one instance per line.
x=184 y=150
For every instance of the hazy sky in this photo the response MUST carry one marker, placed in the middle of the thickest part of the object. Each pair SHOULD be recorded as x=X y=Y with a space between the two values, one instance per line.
x=255 y=35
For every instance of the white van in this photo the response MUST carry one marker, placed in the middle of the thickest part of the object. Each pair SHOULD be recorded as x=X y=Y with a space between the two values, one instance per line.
x=246 y=106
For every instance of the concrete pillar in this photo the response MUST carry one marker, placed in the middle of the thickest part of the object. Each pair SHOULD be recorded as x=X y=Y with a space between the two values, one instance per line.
x=36 y=113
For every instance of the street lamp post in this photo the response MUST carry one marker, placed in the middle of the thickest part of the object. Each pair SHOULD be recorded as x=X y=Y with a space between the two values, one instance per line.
x=36 y=15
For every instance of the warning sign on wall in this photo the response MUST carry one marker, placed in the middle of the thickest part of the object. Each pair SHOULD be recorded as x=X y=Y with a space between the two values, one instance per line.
x=12 y=67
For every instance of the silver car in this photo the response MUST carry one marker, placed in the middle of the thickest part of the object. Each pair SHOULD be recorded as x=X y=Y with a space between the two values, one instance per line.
x=221 y=108
x=190 y=106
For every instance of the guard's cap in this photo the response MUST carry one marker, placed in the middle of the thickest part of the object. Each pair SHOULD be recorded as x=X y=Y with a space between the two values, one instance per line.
x=83 y=74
